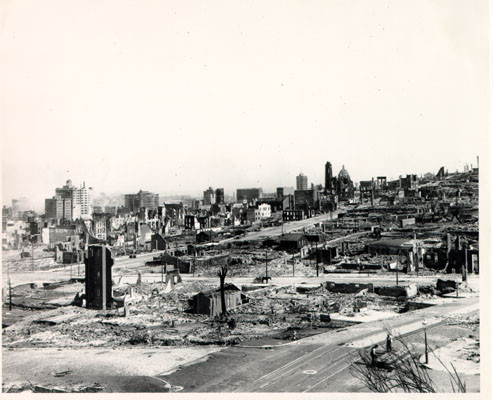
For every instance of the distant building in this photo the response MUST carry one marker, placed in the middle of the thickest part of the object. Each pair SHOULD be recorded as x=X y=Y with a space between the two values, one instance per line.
x=191 y=222
x=248 y=195
x=101 y=225
x=293 y=241
x=265 y=211
x=142 y=199
x=219 y=196
x=54 y=208
x=175 y=214
x=209 y=197
x=409 y=182
x=292 y=215
x=345 y=186
x=282 y=192
x=328 y=178
x=301 y=182
x=306 y=198
x=70 y=203
x=111 y=210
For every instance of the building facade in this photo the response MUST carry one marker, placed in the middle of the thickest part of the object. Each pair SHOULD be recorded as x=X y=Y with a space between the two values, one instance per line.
x=301 y=182
x=248 y=195
x=142 y=199
x=70 y=203
x=219 y=196
x=209 y=197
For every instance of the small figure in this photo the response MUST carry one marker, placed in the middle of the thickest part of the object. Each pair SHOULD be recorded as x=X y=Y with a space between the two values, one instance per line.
x=389 y=343
x=294 y=335
x=373 y=354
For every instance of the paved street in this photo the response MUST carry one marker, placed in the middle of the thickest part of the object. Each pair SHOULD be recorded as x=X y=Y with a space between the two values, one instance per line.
x=286 y=228
x=308 y=364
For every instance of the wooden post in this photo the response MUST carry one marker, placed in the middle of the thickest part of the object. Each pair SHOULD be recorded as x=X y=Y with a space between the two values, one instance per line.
x=316 y=256
x=426 y=347
x=103 y=275
x=10 y=295
x=397 y=270
x=266 y=271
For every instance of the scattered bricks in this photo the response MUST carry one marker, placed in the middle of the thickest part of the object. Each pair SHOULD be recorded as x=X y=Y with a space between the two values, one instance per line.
x=446 y=286
x=348 y=287
x=397 y=291
x=325 y=318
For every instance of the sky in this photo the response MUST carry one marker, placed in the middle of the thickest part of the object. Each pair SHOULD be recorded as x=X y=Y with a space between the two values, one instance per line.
x=177 y=96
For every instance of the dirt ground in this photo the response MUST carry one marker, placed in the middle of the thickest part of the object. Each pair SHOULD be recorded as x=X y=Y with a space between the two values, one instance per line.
x=70 y=346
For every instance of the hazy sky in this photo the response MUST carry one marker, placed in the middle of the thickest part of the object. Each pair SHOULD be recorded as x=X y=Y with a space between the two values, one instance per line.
x=176 y=96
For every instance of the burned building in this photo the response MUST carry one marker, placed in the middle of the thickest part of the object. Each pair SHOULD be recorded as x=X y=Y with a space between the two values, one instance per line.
x=340 y=185
x=328 y=178
x=306 y=199
x=209 y=302
x=410 y=182
x=248 y=195
x=344 y=187
x=293 y=241
x=98 y=265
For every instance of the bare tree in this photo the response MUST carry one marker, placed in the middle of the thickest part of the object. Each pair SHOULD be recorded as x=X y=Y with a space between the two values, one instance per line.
x=399 y=371
x=221 y=273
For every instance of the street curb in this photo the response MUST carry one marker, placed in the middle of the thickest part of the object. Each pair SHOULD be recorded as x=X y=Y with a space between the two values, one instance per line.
x=266 y=346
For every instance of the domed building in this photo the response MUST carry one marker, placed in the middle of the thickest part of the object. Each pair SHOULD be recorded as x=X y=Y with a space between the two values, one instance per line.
x=340 y=185
x=344 y=186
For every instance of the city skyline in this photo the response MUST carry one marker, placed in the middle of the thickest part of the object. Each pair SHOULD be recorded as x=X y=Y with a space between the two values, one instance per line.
x=39 y=206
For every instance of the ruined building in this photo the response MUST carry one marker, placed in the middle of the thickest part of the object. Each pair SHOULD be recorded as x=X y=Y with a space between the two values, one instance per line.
x=98 y=265
x=341 y=185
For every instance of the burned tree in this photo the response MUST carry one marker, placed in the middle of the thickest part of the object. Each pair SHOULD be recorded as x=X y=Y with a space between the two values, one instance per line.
x=221 y=273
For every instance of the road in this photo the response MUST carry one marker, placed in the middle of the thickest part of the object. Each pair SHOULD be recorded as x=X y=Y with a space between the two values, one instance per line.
x=310 y=364
x=64 y=273
x=285 y=228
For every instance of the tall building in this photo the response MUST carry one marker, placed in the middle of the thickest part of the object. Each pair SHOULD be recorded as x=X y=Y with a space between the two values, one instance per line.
x=83 y=198
x=301 y=182
x=248 y=195
x=70 y=203
x=54 y=208
x=209 y=197
x=282 y=192
x=328 y=178
x=98 y=263
x=219 y=196
x=134 y=202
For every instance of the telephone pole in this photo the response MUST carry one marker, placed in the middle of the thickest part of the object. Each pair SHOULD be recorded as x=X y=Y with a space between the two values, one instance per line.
x=10 y=290
x=266 y=271
x=316 y=256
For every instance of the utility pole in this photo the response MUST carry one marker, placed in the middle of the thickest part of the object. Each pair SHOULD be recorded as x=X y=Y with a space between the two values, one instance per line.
x=316 y=256
x=104 y=275
x=266 y=272
x=32 y=254
x=426 y=346
x=10 y=290
x=194 y=260
x=397 y=269
x=163 y=266
x=10 y=295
